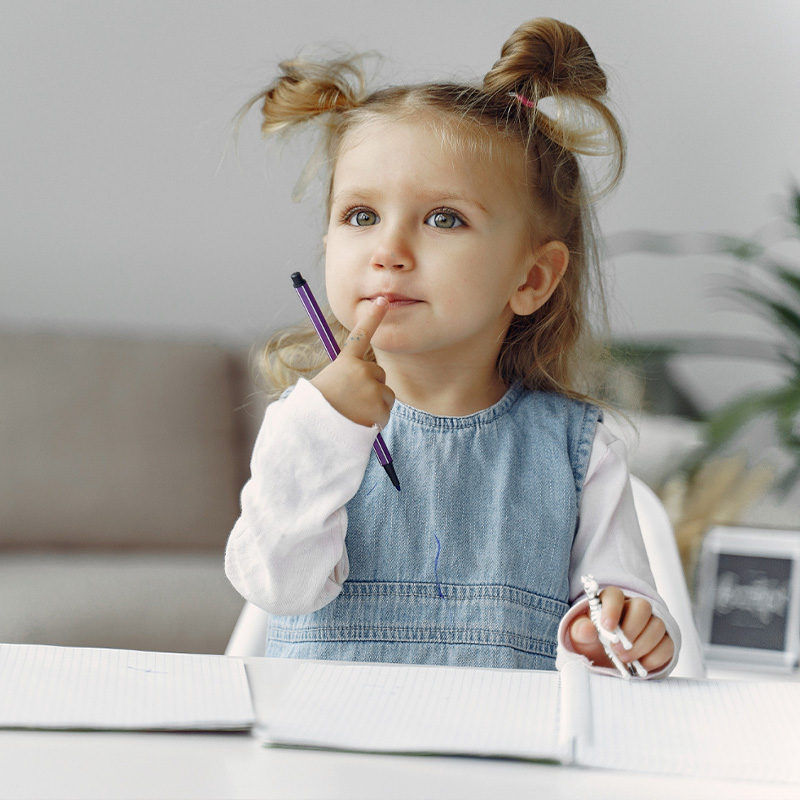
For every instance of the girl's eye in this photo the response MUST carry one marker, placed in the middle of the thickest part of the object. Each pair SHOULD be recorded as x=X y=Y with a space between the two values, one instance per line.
x=444 y=219
x=361 y=217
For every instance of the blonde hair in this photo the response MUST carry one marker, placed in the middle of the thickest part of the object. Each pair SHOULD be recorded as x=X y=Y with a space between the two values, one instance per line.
x=546 y=93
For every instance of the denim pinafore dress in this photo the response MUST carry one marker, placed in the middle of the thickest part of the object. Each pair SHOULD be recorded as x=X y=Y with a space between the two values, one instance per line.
x=469 y=563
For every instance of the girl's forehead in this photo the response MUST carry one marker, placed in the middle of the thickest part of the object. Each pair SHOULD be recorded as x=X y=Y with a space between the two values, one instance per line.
x=444 y=132
x=459 y=147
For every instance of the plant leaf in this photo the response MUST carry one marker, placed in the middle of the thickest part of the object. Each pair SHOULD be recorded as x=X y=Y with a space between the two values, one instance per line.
x=788 y=481
x=788 y=421
x=796 y=205
x=722 y=425
x=786 y=318
x=790 y=278
x=743 y=249
x=791 y=361
x=633 y=351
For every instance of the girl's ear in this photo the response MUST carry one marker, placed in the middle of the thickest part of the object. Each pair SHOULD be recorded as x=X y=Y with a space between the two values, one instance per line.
x=549 y=264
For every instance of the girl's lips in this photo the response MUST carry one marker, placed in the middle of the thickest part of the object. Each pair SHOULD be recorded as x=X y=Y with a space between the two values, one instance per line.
x=395 y=300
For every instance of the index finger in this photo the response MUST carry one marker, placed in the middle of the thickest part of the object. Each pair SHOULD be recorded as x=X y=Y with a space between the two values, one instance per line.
x=612 y=600
x=360 y=337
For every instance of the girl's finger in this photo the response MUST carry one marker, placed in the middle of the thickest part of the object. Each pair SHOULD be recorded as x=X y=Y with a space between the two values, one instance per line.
x=360 y=337
x=636 y=613
x=584 y=640
x=660 y=655
x=612 y=600
x=652 y=633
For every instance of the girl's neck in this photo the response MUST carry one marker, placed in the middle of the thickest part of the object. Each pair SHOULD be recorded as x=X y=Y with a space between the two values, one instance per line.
x=449 y=391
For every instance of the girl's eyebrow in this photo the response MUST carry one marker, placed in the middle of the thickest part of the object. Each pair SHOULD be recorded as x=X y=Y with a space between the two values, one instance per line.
x=434 y=198
x=450 y=196
x=351 y=193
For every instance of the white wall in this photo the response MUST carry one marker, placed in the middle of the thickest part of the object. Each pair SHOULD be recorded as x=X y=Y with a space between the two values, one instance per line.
x=123 y=207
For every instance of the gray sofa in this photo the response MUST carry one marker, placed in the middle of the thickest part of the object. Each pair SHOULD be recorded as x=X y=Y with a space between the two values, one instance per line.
x=121 y=463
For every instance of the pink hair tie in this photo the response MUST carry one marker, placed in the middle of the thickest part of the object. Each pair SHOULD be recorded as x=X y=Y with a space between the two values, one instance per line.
x=524 y=100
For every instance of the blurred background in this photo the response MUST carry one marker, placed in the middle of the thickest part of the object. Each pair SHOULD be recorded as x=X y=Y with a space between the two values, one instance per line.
x=125 y=206
x=128 y=209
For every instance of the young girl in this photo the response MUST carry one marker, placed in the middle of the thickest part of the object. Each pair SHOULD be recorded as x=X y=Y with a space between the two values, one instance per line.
x=458 y=268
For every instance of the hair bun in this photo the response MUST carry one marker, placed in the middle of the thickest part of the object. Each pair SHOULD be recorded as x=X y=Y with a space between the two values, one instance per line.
x=307 y=89
x=545 y=57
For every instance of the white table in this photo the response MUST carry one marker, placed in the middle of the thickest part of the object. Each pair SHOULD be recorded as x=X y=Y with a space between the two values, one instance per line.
x=50 y=764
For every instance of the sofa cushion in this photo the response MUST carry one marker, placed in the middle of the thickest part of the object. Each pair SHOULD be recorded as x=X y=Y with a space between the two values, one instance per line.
x=115 y=442
x=177 y=602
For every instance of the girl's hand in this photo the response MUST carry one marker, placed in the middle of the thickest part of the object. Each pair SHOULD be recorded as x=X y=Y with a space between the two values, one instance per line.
x=356 y=388
x=652 y=645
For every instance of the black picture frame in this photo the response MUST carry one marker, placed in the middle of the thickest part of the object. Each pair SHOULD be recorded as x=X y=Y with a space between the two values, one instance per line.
x=748 y=597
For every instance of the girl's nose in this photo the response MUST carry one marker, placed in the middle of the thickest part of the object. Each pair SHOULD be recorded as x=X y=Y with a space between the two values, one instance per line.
x=393 y=252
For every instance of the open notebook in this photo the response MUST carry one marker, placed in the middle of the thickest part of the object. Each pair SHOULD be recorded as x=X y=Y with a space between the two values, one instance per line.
x=79 y=688
x=735 y=730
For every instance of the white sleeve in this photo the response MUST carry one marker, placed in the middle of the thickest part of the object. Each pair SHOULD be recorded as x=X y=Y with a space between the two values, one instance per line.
x=608 y=543
x=286 y=552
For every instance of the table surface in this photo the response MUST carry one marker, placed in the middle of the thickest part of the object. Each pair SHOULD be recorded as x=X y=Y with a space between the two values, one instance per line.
x=108 y=765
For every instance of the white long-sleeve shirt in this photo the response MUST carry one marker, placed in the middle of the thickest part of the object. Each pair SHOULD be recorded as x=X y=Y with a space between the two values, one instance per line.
x=287 y=551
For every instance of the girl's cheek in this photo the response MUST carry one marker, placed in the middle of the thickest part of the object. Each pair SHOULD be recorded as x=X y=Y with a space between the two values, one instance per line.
x=339 y=307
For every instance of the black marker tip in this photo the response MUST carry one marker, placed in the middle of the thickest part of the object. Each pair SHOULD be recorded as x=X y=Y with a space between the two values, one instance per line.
x=297 y=280
x=392 y=475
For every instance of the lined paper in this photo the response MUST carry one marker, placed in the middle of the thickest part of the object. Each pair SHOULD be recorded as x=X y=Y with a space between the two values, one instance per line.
x=94 y=688
x=715 y=729
x=736 y=729
x=420 y=709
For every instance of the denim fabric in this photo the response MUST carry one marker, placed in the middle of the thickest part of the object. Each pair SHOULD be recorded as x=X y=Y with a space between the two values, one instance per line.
x=468 y=564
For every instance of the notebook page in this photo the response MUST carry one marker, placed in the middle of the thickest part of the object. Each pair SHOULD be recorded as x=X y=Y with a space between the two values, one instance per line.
x=576 y=713
x=420 y=709
x=92 y=688
x=732 y=729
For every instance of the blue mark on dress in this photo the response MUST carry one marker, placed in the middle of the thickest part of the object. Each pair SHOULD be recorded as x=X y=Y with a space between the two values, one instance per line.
x=372 y=489
x=436 y=565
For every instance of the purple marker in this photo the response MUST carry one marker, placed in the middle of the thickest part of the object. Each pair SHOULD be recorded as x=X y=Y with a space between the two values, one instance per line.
x=332 y=348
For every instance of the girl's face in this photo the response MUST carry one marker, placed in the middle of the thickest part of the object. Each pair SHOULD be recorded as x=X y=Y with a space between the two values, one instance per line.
x=440 y=232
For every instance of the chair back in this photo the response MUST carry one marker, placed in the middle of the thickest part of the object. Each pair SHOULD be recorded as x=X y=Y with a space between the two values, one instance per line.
x=665 y=562
x=249 y=637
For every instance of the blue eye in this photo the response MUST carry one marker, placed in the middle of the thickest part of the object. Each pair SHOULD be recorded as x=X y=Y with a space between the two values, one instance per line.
x=444 y=220
x=361 y=217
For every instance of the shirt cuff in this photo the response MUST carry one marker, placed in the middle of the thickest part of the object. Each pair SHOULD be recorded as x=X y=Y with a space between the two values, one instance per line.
x=565 y=651
x=315 y=411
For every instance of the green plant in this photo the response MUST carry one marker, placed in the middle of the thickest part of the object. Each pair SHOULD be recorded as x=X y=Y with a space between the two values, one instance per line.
x=772 y=291
x=770 y=288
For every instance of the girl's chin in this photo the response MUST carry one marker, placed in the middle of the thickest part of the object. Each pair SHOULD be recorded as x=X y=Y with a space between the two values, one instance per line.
x=394 y=345
x=404 y=346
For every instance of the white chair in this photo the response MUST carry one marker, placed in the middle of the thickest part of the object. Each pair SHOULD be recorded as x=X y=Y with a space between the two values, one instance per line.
x=662 y=550
x=249 y=637
x=250 y=633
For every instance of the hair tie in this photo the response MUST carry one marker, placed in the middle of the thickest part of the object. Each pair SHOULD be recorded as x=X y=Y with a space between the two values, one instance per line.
x=520 y=98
